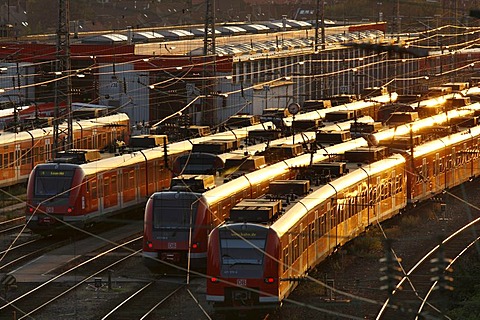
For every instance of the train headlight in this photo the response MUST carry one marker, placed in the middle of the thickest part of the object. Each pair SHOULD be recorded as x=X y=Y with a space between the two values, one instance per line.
x=213 y=279
x=70 y=210
x=149 y=245
x=269 y=280
x=195 y=246
x=31 y=209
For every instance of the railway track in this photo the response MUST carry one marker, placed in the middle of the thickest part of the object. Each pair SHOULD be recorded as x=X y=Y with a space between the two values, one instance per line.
x=139 y=304
x=416 y=295
x=44 y=295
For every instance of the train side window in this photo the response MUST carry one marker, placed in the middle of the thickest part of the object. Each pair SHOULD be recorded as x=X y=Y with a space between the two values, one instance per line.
x=305 y=237
x=94 y=189
x=41 y=154
x=23 y=156
x=106 y=187
x=5 y=160
x=1 y=160
x=11 y=159
x=296 y=248
x=131 y=179
x=285 y=259
x=126 y=185
x=324 y=224
x=113 y=184
x=87 y=186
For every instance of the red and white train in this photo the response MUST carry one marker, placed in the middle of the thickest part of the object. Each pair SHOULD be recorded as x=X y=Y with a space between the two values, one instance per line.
x=59 y=194
x=256 y=264
x=21 y=152
x=177 y=223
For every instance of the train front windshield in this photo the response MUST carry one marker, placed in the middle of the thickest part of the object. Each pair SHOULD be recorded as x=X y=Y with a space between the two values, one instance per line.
x=53 y=183
x=242 y=251
x=172 y=218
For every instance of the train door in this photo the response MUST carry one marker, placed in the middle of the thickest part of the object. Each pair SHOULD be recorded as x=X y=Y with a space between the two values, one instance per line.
x=377 y=196
x=137 y=185
x=106 y=192
x=424 y=177
x=114 y=189
x=120 y=187
x=48 y=149
x=18 y=161
x=94 y=194
x=393 y=193
x=330 y=217
x=316 y=235
x=95 y=139
x=290 y=258
x=100 y=193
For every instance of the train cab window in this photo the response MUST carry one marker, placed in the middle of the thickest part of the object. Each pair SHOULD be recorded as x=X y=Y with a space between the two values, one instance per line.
x=238 y=251
x=50 y=183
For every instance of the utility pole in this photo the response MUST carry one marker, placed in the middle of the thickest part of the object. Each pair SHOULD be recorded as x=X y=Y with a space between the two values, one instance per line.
x=63 y=85
x=209 y=66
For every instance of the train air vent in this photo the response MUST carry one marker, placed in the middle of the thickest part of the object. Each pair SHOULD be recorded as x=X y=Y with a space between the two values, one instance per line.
x=264 y=135
x=343 y=115
x=216 y=146
x=333 y=137
x=466 y=122
x=457 y=102
x=195 y=183
x=285 y=187
x=402 y=142
x=146 y=141
x=255 y=210
x=334 y=169
x=366 y=155
x=310 y=105
x=306 y=125
x=361 y=128
x=77 y=156
x=399 y=118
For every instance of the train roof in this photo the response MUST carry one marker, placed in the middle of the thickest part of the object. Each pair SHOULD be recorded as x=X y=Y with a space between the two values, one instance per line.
x=416 y=126
x=307 y=203
x=10 y=137
x=443 y=142
x=356 y=105
x=244 y=181
x=158 y=152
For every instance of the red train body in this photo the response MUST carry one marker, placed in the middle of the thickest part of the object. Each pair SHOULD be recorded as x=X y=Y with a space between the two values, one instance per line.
x=96 y=190
x=21 y=152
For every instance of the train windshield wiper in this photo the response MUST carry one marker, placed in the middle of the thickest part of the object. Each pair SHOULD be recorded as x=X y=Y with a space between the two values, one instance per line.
x=231 y=261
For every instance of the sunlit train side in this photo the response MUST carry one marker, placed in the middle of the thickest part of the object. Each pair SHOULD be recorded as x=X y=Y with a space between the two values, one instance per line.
x=257 y=263
x=20 y=152
x=176 y=224
x=165 y=234
x=92 y=191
